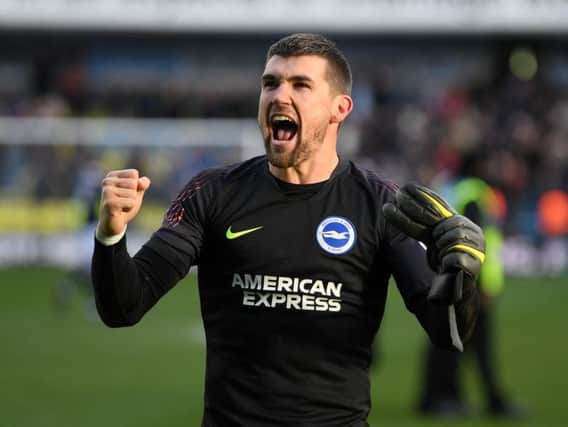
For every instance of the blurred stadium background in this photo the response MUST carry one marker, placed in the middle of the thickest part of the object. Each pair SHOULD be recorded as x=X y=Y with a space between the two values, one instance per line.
x=171 y=87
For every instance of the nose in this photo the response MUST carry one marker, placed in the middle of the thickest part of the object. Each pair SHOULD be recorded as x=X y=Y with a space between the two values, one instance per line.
x=281 y=94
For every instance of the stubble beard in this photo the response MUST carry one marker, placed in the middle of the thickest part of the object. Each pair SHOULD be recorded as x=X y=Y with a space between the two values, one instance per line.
x=303 y=150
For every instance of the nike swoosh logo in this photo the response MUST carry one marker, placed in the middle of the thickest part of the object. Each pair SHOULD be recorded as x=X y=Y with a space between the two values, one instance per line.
x=235 y=235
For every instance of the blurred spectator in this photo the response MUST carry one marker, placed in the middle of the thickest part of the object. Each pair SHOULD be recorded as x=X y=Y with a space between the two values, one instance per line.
x=441 y=394
x=87 y=190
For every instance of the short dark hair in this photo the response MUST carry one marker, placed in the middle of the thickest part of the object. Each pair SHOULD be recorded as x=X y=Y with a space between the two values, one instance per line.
x=339 y=71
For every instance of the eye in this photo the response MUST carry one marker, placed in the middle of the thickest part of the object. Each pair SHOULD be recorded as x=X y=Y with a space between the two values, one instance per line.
x=301 y=85
x=269 y=84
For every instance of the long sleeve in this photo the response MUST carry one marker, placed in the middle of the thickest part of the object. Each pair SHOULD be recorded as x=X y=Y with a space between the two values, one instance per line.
x=127 y=287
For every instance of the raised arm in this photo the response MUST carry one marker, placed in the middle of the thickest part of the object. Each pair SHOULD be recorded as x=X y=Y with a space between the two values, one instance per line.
x=127 y=287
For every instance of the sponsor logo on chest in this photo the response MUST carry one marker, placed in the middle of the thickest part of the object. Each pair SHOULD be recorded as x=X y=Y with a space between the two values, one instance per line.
x=291 y=293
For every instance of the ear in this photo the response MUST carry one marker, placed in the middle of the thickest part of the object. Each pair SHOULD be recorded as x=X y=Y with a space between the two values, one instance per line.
x=342 y=106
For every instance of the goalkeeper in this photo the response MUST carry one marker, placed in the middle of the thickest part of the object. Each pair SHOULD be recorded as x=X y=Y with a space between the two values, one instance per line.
x=295 y=254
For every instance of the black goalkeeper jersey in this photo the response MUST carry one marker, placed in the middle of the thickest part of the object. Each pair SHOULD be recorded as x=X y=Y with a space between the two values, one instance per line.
x=292 y=283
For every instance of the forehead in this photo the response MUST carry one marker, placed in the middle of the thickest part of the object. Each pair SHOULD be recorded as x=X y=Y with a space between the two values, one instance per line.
x=311 y=66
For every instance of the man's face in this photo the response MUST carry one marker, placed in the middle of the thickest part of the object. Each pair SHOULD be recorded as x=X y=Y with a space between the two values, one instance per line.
x=295 y=108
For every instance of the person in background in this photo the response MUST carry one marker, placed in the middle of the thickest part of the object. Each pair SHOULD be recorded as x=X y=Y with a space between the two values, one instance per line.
x=441 y=393
x=78 y=279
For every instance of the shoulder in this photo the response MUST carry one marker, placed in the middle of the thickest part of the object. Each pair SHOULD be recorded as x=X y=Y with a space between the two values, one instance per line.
x=222 y=175
x=378 y=190
x=205 y=190
x=215 y=181
x=379 y=186
x=245 y=169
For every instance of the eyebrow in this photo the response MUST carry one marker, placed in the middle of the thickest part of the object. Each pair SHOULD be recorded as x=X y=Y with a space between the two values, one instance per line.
x=295 y=78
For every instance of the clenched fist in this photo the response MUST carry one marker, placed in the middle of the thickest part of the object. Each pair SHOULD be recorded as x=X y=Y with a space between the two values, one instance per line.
x=121 y=198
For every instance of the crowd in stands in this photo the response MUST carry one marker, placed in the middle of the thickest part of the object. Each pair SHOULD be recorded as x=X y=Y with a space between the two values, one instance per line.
x=523 y=125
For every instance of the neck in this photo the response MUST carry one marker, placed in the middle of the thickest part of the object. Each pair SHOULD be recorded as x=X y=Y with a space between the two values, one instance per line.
x=310 y=171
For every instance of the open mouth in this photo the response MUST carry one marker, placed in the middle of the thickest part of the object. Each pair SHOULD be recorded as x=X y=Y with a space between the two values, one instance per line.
x=283 y=127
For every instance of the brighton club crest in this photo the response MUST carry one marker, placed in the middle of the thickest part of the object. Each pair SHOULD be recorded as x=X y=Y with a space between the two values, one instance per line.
x=336 y=235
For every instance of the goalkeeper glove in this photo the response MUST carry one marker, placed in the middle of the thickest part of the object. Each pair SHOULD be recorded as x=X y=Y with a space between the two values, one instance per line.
x=455 y=244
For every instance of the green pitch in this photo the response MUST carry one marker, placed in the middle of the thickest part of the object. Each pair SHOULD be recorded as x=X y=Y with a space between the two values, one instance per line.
x=57 y=368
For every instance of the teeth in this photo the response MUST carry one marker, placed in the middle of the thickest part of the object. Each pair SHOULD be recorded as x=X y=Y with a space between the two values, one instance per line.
x=281 y=118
